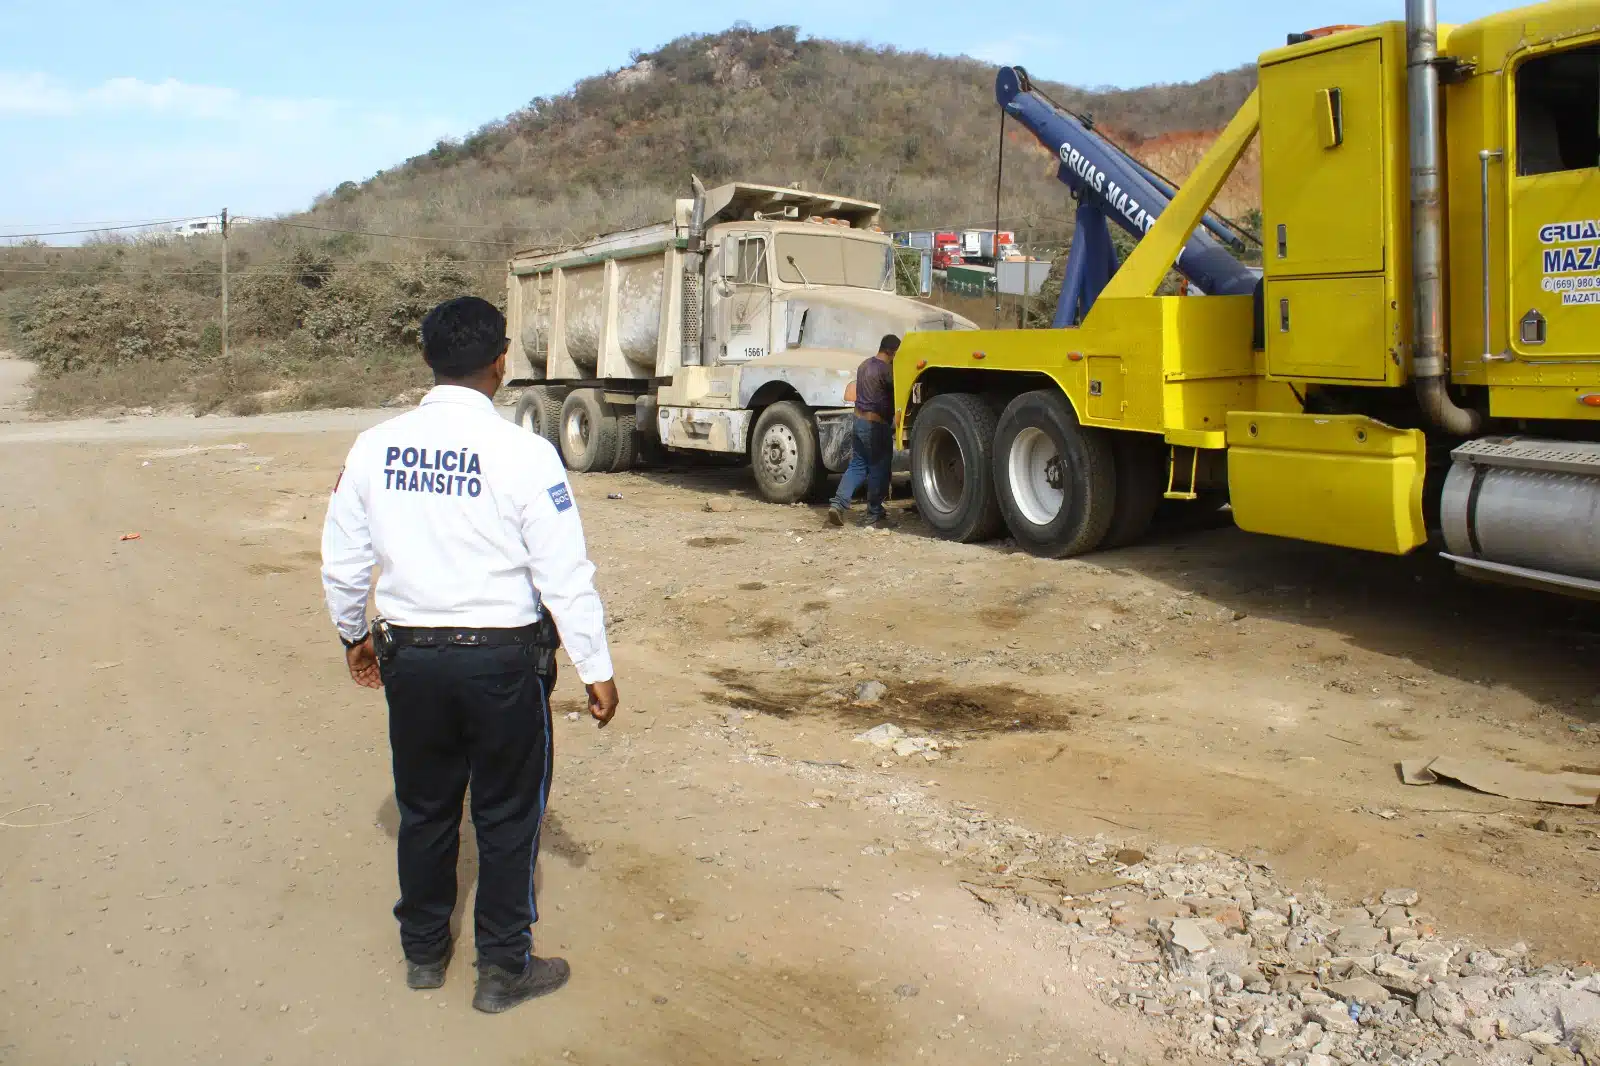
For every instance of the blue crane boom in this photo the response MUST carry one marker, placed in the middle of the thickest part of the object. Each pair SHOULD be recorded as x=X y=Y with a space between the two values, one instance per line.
x=1112 y=186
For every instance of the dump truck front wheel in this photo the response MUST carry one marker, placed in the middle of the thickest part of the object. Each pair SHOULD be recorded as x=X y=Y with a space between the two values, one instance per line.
x=952 y=459
x=785 y=454
x=588 y=432
x=1056 y=479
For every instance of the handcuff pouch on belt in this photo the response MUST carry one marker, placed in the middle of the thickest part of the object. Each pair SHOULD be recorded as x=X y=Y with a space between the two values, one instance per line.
x=382 y=640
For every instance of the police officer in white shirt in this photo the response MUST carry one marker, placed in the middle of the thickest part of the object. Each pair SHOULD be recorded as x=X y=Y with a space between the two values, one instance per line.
x=473 y=524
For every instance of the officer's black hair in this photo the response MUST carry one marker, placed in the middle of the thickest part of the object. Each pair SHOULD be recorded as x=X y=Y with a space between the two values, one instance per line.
x=462 y=336
x=889 y=345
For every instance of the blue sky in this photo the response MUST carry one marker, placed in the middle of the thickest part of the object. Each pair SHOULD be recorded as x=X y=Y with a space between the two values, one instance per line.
x=145 y=110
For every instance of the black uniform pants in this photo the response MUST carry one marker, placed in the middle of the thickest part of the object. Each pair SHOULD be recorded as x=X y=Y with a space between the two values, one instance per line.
x=458 y=715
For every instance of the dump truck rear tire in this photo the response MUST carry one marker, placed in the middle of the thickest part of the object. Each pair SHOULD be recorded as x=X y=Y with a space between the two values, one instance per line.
x=1056 y=479
x=785 y=453
x=539 y=412
x=1141 y=484
x=627 y=439
x=952 y=467
x=588 y=432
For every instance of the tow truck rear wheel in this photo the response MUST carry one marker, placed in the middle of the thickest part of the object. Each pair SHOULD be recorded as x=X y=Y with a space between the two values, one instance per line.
x=1055 y=478
x=1141 y=484
x=952 y=479
x=785 y=454
x=588 y=432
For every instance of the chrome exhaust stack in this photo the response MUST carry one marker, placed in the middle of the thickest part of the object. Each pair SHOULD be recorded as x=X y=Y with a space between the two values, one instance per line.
x=1430 y=365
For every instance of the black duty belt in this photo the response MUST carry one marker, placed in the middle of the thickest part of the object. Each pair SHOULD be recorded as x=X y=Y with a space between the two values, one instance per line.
x=438 y=636
x=542 y=636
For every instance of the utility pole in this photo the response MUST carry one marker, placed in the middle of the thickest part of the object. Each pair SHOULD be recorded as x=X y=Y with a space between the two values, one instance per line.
x=224 y=285
x=1027 y=275
x=999 y=178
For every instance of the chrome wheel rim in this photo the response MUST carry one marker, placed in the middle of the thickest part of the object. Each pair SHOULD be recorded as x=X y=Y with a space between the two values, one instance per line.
x=577 y=430
x=1037 y=476
x=943 y=473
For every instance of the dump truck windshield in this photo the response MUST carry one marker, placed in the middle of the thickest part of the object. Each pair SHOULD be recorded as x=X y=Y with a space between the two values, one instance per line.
x=830 y=259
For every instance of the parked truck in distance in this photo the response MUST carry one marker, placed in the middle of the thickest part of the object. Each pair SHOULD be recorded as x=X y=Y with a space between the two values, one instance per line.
x=734 y=328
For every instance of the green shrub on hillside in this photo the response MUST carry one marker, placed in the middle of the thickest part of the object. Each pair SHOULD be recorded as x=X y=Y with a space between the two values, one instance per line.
x=108 y=324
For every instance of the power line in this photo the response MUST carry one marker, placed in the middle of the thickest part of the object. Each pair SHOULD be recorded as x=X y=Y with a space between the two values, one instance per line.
x=370 y=233
x=35 y=268
x=97 y=229
x=96 y=224
x=149 y=223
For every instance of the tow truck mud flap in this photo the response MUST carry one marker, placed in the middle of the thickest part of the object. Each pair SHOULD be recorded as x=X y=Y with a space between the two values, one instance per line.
x=1333 y=479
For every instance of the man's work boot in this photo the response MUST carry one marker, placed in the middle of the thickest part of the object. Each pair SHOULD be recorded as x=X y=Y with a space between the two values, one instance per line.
x=835 y=515
x=500 y=989
x=427 y=974
x=881 y=521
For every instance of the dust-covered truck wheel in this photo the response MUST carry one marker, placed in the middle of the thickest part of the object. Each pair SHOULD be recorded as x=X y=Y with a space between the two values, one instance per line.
x=539 y=412
x=952 y=476
x=1055 y=478
x=785 y=454
x=588 y=432
x=627 y=438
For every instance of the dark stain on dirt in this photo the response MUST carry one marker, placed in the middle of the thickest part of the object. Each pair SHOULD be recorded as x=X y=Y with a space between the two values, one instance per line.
x=554 y=838
x=268 y=569
x=921 y=706
x=1005 y=617
x=746 y=692
x=714 y=542
x=762 y=628
x=938 y=706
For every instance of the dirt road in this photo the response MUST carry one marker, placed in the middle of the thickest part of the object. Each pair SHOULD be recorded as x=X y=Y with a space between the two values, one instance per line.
x=196 y=820
x=14 y=376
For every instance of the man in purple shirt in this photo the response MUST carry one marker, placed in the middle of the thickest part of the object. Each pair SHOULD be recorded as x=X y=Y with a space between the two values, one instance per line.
x=872 y=443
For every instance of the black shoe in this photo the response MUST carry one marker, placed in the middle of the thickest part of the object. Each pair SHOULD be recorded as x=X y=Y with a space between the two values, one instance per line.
x=835 y=516
x=882 y=521
x=500 y=989
x=422 y=975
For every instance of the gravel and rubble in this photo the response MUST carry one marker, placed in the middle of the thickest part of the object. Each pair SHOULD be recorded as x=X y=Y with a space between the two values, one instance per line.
x=1246 y=970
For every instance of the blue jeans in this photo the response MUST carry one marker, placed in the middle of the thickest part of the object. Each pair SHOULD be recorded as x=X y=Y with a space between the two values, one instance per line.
x=871 y=455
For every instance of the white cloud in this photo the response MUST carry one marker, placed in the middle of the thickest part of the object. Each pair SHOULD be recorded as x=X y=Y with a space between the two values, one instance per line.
x=1015 y=49
x=30 y=94
x=172 y=148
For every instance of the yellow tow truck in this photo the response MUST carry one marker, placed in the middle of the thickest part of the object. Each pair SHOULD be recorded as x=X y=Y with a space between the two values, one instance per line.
x=1420 y=347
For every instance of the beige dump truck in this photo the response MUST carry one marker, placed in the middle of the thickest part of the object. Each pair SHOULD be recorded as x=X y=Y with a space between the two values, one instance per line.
x=732 y=329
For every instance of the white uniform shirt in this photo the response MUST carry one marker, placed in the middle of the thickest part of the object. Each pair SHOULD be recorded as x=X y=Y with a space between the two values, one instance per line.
x=468 y=515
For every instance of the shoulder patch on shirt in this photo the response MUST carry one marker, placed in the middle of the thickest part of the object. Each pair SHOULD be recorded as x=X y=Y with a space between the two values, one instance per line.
x=560 y=496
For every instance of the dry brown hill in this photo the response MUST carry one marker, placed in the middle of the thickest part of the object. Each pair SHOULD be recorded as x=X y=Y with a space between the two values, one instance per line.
x=915 y=132
x=321 y=317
